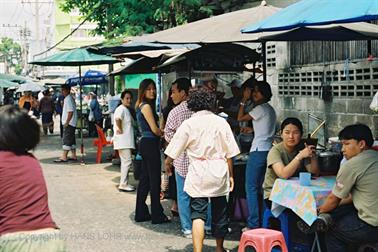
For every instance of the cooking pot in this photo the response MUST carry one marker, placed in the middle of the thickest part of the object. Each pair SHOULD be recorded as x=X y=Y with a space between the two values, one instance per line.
x=329 y=162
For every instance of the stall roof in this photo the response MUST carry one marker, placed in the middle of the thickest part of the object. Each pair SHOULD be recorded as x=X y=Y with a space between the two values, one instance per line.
x=216 y=57
x=217 y=29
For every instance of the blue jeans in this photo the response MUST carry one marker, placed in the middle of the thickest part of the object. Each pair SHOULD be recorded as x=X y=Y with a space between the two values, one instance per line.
x=254 y=177
x=183 y=202
x=348 y=229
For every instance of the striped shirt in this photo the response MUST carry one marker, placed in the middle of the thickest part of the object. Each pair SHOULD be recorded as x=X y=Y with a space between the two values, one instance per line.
x=175 y=118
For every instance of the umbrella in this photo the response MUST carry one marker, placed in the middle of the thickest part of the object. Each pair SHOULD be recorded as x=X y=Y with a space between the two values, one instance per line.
x=317 y=12
x=139 y=66
x=7 y=84
x=146 y=61
x=137 y=46
x=76 y=57
x=29 y=86
x=217 y=29
x=333 y=32
x=88 y=78
x=14 y=78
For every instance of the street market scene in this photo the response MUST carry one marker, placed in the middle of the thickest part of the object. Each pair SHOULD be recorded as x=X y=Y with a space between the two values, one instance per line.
x=194 y=125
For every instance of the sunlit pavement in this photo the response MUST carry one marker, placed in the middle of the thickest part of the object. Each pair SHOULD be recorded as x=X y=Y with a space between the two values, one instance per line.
x=94 y=216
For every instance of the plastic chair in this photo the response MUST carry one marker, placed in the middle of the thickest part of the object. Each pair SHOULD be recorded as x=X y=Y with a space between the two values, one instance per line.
x=262 y=239
x=100 y=142
x=285 y=226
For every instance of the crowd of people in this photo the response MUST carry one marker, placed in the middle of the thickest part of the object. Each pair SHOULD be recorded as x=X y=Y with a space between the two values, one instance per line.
x=200 y=147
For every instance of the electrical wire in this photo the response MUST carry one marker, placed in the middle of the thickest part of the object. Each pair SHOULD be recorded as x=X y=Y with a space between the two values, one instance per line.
x=63 y=39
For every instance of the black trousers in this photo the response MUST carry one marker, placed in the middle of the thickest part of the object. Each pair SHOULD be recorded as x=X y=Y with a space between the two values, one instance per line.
x=219 y=215
x=149 y=182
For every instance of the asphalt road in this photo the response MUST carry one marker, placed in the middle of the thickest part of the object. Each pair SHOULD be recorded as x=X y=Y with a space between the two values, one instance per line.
x=94 y=216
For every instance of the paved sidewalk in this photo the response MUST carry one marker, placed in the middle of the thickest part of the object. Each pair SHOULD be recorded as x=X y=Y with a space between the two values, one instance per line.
x=94 y=216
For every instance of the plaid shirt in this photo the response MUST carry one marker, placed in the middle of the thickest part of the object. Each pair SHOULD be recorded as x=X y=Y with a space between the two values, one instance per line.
x=175 y=118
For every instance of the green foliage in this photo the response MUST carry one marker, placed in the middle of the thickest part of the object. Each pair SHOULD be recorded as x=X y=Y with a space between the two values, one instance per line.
x=134 y=17
x=10 y=54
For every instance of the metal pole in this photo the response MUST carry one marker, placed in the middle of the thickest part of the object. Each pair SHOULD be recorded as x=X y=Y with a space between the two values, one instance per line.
x=263 y=52
x=81 y=118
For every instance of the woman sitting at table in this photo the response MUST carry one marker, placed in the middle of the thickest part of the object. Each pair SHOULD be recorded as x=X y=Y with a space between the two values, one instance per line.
x=289 y=157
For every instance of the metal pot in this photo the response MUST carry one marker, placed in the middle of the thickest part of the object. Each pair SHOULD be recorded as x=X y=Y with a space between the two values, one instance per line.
x=329 y=162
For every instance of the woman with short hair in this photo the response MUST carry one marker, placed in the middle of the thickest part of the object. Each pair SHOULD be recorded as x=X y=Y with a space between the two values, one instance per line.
x=26 y=223
x=209 y=144
x=289 y=157
x=123 y=139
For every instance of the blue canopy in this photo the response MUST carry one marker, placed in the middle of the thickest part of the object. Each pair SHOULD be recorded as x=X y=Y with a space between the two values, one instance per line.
x=317 y=12
x=90 y=77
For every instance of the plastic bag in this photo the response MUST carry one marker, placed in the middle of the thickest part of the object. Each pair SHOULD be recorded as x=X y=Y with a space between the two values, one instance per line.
x=374 y=103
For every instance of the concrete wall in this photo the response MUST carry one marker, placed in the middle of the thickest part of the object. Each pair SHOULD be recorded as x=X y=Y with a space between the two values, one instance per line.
x=350 y=98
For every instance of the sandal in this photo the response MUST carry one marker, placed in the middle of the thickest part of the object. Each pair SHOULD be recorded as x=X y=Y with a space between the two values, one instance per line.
x=166 y=219
x=60 y=161
x=175 y=213
x=72 y=159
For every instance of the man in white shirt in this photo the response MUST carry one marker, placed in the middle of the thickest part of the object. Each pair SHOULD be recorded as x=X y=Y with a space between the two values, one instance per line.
x=69 y=120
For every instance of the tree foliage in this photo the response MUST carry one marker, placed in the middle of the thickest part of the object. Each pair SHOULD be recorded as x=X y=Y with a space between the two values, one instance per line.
x=10 y=54
x=134 y=17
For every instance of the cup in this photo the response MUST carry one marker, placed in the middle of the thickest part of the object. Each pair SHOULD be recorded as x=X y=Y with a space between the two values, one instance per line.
x=305 y=178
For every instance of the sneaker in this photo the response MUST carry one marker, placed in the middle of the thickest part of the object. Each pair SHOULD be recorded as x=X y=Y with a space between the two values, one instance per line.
x=187 y=234
x=126 y=188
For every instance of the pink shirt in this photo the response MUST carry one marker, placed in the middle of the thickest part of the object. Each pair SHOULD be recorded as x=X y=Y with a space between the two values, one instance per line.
x=23 y=194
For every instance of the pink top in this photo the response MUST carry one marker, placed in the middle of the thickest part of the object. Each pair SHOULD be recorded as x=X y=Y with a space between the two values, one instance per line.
x=23 y=194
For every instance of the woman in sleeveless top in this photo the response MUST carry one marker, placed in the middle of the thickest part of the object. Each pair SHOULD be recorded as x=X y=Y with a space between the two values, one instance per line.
x=150 y=177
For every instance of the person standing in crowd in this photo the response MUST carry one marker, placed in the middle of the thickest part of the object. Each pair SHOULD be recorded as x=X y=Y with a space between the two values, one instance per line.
x=69 y=120
x=150 y=177
x=46 y=107
x=59 y=110
x=123 y=139
x=351 y=209
x=263 y=119
x=289 y=157
x=231 y=105
x=172 y=191
x=8 y=97
x=28 y=102
x=26 y=223
x=180 y=92
x=210 y=144
x=94 y=107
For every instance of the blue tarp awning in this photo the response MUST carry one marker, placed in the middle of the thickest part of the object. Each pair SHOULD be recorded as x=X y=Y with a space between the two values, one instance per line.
x=317 y=12
x=90 y=77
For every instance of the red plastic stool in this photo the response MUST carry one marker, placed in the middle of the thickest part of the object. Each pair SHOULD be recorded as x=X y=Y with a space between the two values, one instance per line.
x=262 y=239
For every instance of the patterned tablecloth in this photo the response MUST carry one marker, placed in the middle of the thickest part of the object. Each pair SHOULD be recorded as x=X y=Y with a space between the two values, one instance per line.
x=302 y=200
